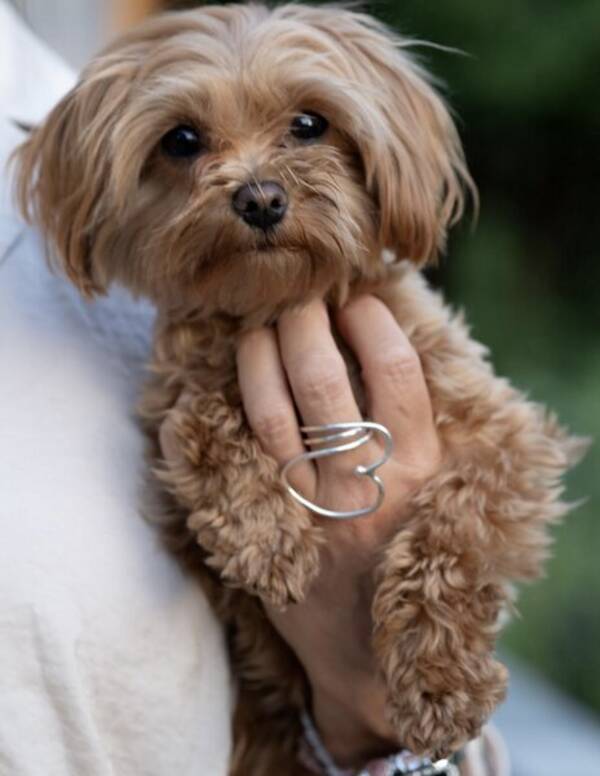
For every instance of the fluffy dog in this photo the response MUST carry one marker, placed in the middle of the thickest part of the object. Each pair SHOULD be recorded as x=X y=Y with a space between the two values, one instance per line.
x=230 y=162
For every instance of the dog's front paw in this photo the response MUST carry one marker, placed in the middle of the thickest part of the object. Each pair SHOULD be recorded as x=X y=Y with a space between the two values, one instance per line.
x=436 y=709
x=274 y=555
x=239 y=512
x=279 y=572
x=436 y=617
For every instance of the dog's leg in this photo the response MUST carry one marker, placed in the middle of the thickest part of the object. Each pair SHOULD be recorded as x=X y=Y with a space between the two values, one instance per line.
x=478 y=525
x=271 y=686
x=240 y=513
x=436 y=616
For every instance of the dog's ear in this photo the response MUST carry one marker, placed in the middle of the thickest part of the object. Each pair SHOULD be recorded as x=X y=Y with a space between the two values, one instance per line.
x=417 y=174
x=63 y=168
x=411 y=152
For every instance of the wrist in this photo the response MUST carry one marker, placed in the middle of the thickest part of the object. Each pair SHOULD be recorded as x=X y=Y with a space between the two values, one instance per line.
x=318 y=759
x=352 y=722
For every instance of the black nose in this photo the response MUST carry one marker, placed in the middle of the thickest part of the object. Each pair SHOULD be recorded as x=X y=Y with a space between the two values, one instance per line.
x=261 y=205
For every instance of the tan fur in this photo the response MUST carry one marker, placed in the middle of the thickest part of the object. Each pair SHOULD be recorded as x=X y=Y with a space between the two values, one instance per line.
x=388 y=176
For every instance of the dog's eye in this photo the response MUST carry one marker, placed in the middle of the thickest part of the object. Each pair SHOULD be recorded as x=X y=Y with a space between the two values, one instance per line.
x=182 y=142
x=308 y=126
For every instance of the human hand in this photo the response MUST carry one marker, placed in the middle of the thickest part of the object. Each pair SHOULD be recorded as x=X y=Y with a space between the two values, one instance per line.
x=297 y=370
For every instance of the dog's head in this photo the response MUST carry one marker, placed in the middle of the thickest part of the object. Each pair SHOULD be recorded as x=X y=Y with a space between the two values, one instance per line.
x=238 y=158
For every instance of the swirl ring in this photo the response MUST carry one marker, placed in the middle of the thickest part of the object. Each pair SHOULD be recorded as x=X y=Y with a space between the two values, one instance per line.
x=324 y=439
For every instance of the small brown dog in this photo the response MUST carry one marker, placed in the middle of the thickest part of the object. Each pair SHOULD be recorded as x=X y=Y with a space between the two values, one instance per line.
x=230 y=162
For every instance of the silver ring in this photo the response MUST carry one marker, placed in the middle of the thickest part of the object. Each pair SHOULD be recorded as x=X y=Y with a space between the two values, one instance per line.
x=358 y=433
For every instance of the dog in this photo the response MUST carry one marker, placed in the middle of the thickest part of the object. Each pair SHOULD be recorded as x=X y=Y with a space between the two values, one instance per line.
x=228 y=163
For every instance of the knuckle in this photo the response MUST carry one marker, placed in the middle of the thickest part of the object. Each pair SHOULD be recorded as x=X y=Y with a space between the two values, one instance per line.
x=360 y=304
x=348 y=493
x=399 y=365
x=273 y=427
x=324 y=381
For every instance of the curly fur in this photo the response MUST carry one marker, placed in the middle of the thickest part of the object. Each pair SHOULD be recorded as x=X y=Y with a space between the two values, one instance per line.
x=388 y=179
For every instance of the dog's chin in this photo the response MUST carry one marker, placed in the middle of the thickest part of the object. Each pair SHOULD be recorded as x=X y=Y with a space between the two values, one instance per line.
x=275 y=244
x=256 y=282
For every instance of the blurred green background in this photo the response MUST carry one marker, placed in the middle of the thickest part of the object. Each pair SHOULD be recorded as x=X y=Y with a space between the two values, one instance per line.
x=528 y=105
x=528 y=277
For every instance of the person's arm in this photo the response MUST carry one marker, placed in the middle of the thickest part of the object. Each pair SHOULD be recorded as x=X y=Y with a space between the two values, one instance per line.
x=296 y=370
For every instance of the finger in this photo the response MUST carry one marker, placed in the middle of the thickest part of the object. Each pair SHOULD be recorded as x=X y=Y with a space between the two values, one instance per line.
x=392 y=374
x=318 y=376
x=268 y=403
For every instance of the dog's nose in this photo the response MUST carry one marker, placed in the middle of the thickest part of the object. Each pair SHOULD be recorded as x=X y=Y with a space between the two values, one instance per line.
x=260 y=205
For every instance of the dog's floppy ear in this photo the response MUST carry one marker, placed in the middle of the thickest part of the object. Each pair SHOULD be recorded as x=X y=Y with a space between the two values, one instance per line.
x=417 y=173
x=411 y=152
x=62 y=170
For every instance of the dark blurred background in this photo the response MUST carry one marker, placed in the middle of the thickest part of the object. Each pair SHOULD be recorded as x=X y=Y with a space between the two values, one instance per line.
x=525 y=91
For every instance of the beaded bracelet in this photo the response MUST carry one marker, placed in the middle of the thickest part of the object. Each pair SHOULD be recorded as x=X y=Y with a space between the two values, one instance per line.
x=314 y=755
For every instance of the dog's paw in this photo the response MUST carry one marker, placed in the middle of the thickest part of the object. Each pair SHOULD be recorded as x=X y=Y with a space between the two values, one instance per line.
x=436 y=615
x=278 y=572
x=276 y=562
x=436 y=717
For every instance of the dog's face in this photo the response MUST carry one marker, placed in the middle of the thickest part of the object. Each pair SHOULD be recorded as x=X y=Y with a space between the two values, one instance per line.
x=237 y=159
